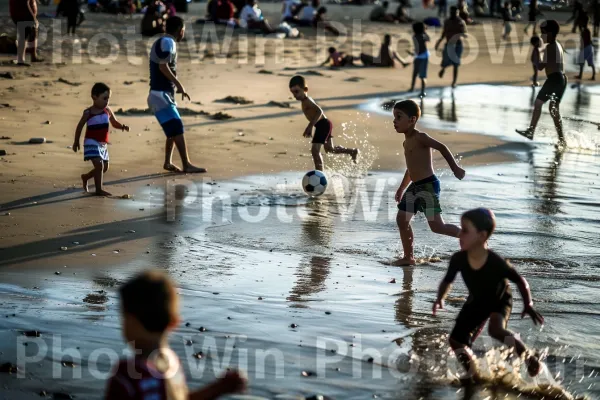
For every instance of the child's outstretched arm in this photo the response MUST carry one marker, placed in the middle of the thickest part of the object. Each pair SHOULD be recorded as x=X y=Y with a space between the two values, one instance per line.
x=403 y=185
x=523 y=286
x=326 y=61
x=446 y=284
x=116 y=124
x=428 y=141
x=78 y=130
x=232 y=382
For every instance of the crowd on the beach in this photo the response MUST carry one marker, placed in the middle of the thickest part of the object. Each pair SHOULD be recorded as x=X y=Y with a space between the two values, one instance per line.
x=149 y=302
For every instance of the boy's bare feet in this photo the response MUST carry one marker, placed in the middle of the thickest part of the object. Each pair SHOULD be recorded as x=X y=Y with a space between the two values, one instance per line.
x=535 y=84
x=172 y=168
x=102 y=193
x=85 y=183
x=191 y=169
x=405 y=261
x=533 y=366
x=355 y=154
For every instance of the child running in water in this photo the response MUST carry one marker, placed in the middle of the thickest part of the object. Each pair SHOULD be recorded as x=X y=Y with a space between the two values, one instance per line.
x=150 y=310
x=317 y=119
x=98 y=119
x=486 y=276
x=420 y=39
x=423 y=194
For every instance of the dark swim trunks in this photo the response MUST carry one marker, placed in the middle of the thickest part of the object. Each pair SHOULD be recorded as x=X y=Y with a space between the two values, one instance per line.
x=553 y=88
x=323 y=130
x=422 y=196
x=474 y=315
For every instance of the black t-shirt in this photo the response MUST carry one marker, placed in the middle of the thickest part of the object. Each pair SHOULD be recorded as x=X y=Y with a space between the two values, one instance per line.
x=487 y=284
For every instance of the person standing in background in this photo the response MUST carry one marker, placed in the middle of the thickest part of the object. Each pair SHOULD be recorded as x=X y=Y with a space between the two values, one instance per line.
x=24 y=15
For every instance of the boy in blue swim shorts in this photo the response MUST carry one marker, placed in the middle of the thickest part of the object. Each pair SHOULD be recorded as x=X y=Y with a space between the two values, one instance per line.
x=161 y=100
x=423 y=194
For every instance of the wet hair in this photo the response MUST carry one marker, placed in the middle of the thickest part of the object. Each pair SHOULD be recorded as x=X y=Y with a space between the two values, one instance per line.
x=453 y=10
x=550 y=26
x=483 y=220
x=418 y=28
x=150 y=297
x=385 y=4
x=535 y=41
x=322 y=10
x=174 y=25
x=298 y=81
x=99 y=88
x=408 y=107
x=330 y=50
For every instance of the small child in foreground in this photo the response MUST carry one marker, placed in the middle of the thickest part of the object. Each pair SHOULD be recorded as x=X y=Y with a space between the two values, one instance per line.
x=95 y=145
x=423 y=194
x=150 y=308
x=486 y=276
x=317 y=119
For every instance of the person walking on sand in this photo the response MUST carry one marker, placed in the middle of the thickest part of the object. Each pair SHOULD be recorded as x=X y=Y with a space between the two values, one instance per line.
x=98 y=118
x=423 y=194
x=486 y=276
x=24 y=15
x=454 y=30
x=161 y=99
x=555 y=85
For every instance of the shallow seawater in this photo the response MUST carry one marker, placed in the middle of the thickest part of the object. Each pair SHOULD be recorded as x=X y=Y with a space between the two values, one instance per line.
x=302 y=293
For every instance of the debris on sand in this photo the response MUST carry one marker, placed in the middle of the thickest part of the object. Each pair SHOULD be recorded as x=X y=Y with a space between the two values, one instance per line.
x=4 y=105
x=264 y=71
x=220 y=116
x=311 y=72
x=354 y=79
x=32 y=333
x=5 y=137
x=37 y=140
x=7 y=75
x=96 y=298
x=8 y=368
x=235 y=100
x=281 y=104
x=128 y=83
x=2 y=153
x=61 y=80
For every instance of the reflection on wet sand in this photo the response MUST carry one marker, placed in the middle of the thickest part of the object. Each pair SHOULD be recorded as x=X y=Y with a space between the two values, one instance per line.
x=447 y=115
x=312 y=272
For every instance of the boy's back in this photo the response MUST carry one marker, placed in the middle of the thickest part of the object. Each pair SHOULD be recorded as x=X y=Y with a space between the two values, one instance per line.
x=417 y=156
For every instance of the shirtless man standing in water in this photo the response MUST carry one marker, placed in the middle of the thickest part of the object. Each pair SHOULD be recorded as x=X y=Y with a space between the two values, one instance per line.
x=423 y=194
x=555 y=85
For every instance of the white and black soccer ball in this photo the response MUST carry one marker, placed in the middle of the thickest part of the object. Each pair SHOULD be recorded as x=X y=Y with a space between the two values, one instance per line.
x=314 y=183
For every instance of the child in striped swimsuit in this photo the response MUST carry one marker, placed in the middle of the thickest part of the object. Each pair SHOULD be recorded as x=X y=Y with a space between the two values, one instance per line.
x=98 y=119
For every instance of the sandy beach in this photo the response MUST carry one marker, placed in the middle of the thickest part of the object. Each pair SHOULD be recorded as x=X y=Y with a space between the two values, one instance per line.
x=48 y=225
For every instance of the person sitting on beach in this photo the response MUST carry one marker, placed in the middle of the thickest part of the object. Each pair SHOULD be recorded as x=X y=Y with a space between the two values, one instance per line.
x=453 y=32
x=479 y=7
x=586 y=53
x=556 y=82
x=321 y=21
x=387 y=56
x=224 y=13
x=317 y=120
x=155 y=17
x=463 y=12
x=150 y=311
x=379 y=13
x=423 y=194
x=308 y=13
x=338 y=58
x=251 y=18
x=98 y=118
x=486 y=276
x=290 y=10
x=402 y=13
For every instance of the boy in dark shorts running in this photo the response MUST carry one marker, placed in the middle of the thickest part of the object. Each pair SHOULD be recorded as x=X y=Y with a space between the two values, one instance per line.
x=318 y=120
x=423 y=194
x=555 y=85
x=486 y=276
